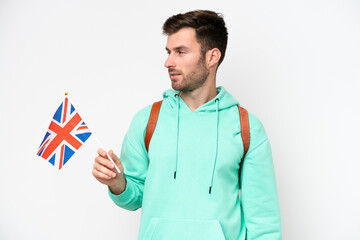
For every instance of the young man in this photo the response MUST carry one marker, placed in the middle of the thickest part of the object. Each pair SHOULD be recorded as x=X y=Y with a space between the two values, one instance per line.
x=187 y=183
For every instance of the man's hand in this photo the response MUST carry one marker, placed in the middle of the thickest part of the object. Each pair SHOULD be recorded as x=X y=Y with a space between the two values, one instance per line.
x=105 y=172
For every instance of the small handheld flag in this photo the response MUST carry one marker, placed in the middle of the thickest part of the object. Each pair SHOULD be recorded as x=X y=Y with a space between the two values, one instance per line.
x=66 y=134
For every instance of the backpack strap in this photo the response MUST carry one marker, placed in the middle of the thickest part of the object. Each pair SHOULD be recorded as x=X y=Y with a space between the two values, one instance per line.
x=154 y=114
x=245 y=133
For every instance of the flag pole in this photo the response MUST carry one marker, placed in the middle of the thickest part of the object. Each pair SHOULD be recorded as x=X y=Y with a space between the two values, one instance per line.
x=118 y=170
x=98 y=141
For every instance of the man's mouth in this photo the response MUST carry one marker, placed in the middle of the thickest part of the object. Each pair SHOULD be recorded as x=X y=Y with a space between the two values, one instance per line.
x=174 y=75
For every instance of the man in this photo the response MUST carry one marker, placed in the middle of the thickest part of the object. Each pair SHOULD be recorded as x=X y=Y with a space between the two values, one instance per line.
x=187 y=183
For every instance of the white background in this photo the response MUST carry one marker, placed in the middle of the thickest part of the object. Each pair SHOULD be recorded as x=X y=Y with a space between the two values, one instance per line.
x=294 y=64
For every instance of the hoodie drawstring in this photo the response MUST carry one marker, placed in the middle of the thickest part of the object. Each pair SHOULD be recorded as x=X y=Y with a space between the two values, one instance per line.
x=177 y=134
x=216 y=139
x=216 y=144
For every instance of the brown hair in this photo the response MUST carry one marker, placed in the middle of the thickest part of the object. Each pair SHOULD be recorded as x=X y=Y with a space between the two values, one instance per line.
x=209 y=26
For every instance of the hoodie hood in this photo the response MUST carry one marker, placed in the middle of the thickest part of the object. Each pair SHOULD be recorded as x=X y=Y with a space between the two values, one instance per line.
x=225 y=101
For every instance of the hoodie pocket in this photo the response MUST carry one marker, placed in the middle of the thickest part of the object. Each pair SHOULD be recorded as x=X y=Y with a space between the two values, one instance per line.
x=185 y=229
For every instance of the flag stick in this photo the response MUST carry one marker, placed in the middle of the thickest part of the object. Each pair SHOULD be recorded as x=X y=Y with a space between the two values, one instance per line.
x=118 y=170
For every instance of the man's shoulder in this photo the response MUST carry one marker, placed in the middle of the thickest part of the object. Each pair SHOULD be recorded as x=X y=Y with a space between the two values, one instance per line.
x=255 y=124
x=136 y=131
x=254 y=120
x=257 y=130
x=142 y=115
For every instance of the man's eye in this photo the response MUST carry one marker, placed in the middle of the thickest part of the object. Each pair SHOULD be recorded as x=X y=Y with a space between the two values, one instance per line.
x=181 y=52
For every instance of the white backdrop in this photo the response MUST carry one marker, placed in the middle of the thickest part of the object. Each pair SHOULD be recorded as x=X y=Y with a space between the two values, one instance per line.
x=294 y=64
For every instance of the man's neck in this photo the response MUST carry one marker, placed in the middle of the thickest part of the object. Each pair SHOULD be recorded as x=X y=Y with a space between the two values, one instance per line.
x=199 y=96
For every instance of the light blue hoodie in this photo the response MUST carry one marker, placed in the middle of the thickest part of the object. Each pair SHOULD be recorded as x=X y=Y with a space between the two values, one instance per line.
x=188 y=183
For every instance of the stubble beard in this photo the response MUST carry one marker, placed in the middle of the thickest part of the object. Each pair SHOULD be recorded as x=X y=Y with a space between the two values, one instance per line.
x=193 y=80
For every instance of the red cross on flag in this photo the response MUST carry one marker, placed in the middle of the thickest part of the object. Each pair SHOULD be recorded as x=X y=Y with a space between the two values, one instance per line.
x=66 y=134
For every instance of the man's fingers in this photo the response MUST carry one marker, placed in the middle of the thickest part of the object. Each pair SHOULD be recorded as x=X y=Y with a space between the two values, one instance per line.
x=104 y=162
x=99 y=175
x=111 y=153
x=102 y=152
x=104 y=170
x=103 y=159
x=115 y=158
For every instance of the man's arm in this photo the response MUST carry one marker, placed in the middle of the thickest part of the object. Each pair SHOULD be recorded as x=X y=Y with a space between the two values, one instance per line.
x=126 y=188
x=259 y=197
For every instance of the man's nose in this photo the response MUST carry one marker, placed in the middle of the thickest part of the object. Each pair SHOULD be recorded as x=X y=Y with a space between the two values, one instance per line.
x=169 y=63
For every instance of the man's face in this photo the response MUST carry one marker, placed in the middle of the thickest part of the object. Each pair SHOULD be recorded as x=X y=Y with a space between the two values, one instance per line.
x=185 y=63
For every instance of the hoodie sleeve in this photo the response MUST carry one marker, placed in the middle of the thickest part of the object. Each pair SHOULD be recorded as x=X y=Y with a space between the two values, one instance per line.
x=259 y=197
x=135 y=161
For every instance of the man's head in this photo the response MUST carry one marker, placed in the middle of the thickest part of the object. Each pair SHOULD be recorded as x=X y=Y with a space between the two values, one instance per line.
x=196 y=45
x=209 y=27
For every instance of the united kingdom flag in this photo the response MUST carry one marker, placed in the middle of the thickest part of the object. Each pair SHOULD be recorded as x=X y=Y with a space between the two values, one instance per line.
x=66 y=134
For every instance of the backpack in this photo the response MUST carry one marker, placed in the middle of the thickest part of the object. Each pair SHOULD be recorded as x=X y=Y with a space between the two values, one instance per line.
x=244 y=122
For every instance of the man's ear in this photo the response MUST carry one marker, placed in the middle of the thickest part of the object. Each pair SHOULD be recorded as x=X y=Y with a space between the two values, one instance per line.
x=213 y=57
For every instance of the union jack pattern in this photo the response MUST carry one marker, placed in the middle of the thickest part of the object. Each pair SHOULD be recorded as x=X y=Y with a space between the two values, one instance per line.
x=66 y=134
